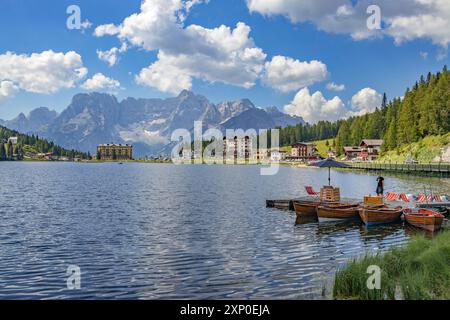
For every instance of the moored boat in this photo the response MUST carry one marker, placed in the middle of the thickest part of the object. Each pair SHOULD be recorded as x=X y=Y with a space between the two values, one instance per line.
x=338 y=211
x=280 y=204
x=379 y=215
x=306 y=208
x=425 y=219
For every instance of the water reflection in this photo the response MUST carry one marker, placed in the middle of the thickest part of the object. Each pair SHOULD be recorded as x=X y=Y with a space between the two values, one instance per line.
x=142 y=231
x=306 y=220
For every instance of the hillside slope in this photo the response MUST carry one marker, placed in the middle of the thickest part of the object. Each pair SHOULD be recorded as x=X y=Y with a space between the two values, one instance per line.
x=429 y=149
x=30 y=146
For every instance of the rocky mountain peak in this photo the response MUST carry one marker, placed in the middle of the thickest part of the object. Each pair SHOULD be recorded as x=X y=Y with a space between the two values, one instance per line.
x=95 y=118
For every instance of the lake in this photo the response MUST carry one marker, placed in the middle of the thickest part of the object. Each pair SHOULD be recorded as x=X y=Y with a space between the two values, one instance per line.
x=156 y=231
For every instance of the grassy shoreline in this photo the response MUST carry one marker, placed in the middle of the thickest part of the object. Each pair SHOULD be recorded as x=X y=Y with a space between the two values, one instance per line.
x=418 y=271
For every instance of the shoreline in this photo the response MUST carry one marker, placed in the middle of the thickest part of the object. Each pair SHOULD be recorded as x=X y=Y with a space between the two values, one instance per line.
x=372 y=167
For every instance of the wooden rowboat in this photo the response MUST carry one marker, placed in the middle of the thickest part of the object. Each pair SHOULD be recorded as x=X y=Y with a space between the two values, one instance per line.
x=306 y=209
x=425 y=219
x=280 y=204
x=338 y=211
x=372 y=216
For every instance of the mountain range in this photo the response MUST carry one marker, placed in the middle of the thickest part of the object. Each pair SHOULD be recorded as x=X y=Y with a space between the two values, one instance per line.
x=96 y=118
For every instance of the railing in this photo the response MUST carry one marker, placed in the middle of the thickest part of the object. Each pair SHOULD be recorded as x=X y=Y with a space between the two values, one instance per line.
x=441 y=167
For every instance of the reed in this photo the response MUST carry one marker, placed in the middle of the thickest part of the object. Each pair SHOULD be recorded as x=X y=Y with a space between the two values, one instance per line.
x=418 y=271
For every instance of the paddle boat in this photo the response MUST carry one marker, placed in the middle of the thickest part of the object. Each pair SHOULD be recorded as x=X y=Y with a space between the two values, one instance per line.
x=424 y=219
x=338 y=211
x=306 y=208
x=379 y=215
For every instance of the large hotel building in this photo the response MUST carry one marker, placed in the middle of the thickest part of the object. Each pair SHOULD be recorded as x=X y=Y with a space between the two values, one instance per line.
x=114 y=152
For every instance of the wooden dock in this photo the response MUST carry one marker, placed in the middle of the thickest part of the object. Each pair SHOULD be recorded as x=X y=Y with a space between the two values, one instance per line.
x=442 y=169
x=434 y=205
x=288 y=204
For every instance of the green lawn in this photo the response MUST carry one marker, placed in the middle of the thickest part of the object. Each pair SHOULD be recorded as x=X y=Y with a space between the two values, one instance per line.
x=322 y=147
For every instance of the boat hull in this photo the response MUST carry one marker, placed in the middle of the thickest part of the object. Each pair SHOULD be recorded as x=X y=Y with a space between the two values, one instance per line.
x=338 y=212
x=306 y=209
x=372 y=217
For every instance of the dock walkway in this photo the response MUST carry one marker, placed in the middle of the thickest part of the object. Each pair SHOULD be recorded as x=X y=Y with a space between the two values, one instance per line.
x=433 y=168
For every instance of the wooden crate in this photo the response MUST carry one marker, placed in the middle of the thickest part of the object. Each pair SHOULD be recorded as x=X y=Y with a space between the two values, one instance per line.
x=330 y=194
x=373 y=201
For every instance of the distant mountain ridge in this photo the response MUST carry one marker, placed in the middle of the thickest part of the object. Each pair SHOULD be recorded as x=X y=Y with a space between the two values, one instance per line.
x=96 y=118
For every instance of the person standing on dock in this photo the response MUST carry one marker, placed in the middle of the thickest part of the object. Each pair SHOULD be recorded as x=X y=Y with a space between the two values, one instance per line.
x=380 y=186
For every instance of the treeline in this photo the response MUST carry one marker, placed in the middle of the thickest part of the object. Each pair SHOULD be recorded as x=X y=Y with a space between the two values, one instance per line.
x=424 y=110
x=306 y=132
x=32 y=144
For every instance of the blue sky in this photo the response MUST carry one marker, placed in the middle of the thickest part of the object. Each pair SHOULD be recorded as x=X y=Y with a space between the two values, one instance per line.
x=374 y=61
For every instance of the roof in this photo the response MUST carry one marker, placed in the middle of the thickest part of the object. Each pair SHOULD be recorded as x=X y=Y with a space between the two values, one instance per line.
x=114 y=145
x=372 y=142
x=304 y=144
x=279 y=151
x=352 y=149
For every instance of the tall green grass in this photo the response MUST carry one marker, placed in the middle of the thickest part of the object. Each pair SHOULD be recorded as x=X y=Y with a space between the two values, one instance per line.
x=419 y=271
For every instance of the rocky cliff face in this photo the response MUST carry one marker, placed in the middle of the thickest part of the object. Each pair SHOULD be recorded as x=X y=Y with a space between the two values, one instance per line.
x=96 y=118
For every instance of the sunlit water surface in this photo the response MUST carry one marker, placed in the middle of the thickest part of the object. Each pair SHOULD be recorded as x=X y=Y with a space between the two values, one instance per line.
x=141 y=231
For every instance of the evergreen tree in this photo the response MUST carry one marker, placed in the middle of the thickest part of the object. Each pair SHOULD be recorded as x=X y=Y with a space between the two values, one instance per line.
x=2 y=151
x=384 y=102
x=30 y=143
x=9 y=152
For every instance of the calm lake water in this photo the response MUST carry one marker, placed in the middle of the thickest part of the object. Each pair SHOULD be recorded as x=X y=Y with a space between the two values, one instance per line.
x=150 y=231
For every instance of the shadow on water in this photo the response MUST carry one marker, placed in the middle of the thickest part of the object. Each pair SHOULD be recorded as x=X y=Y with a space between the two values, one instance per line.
x=412 y=231
x=305 y=220
x=330 y=227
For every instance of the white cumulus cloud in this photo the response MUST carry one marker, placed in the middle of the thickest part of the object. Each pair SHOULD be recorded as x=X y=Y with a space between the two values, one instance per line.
x=220 y=54
x=186 y=52
x=45 y=72
x=335 y=87
x=106 y=30
x=100 y=82
x=287 y=74
x=111 y=56
x=404 y=20
x=316 y=107
x=365 y=101
x=165 y=75
x=7 y=90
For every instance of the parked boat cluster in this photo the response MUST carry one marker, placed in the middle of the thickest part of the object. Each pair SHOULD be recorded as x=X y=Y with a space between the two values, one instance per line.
x=371 y=213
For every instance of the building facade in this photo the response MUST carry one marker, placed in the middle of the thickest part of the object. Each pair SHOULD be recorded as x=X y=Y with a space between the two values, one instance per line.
x=368 y=150
x=303 y=151
x=114 y=152
x=238 y=148
x=278 y=155
x=13 y=140
x=352 y=152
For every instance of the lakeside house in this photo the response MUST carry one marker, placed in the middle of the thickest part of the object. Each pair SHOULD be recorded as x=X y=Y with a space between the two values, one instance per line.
x=304 y=152
x=278 y=155
x=13 y=140
x=352 y=152
x=331 y=154
x=368 y=150
x=114 y=152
